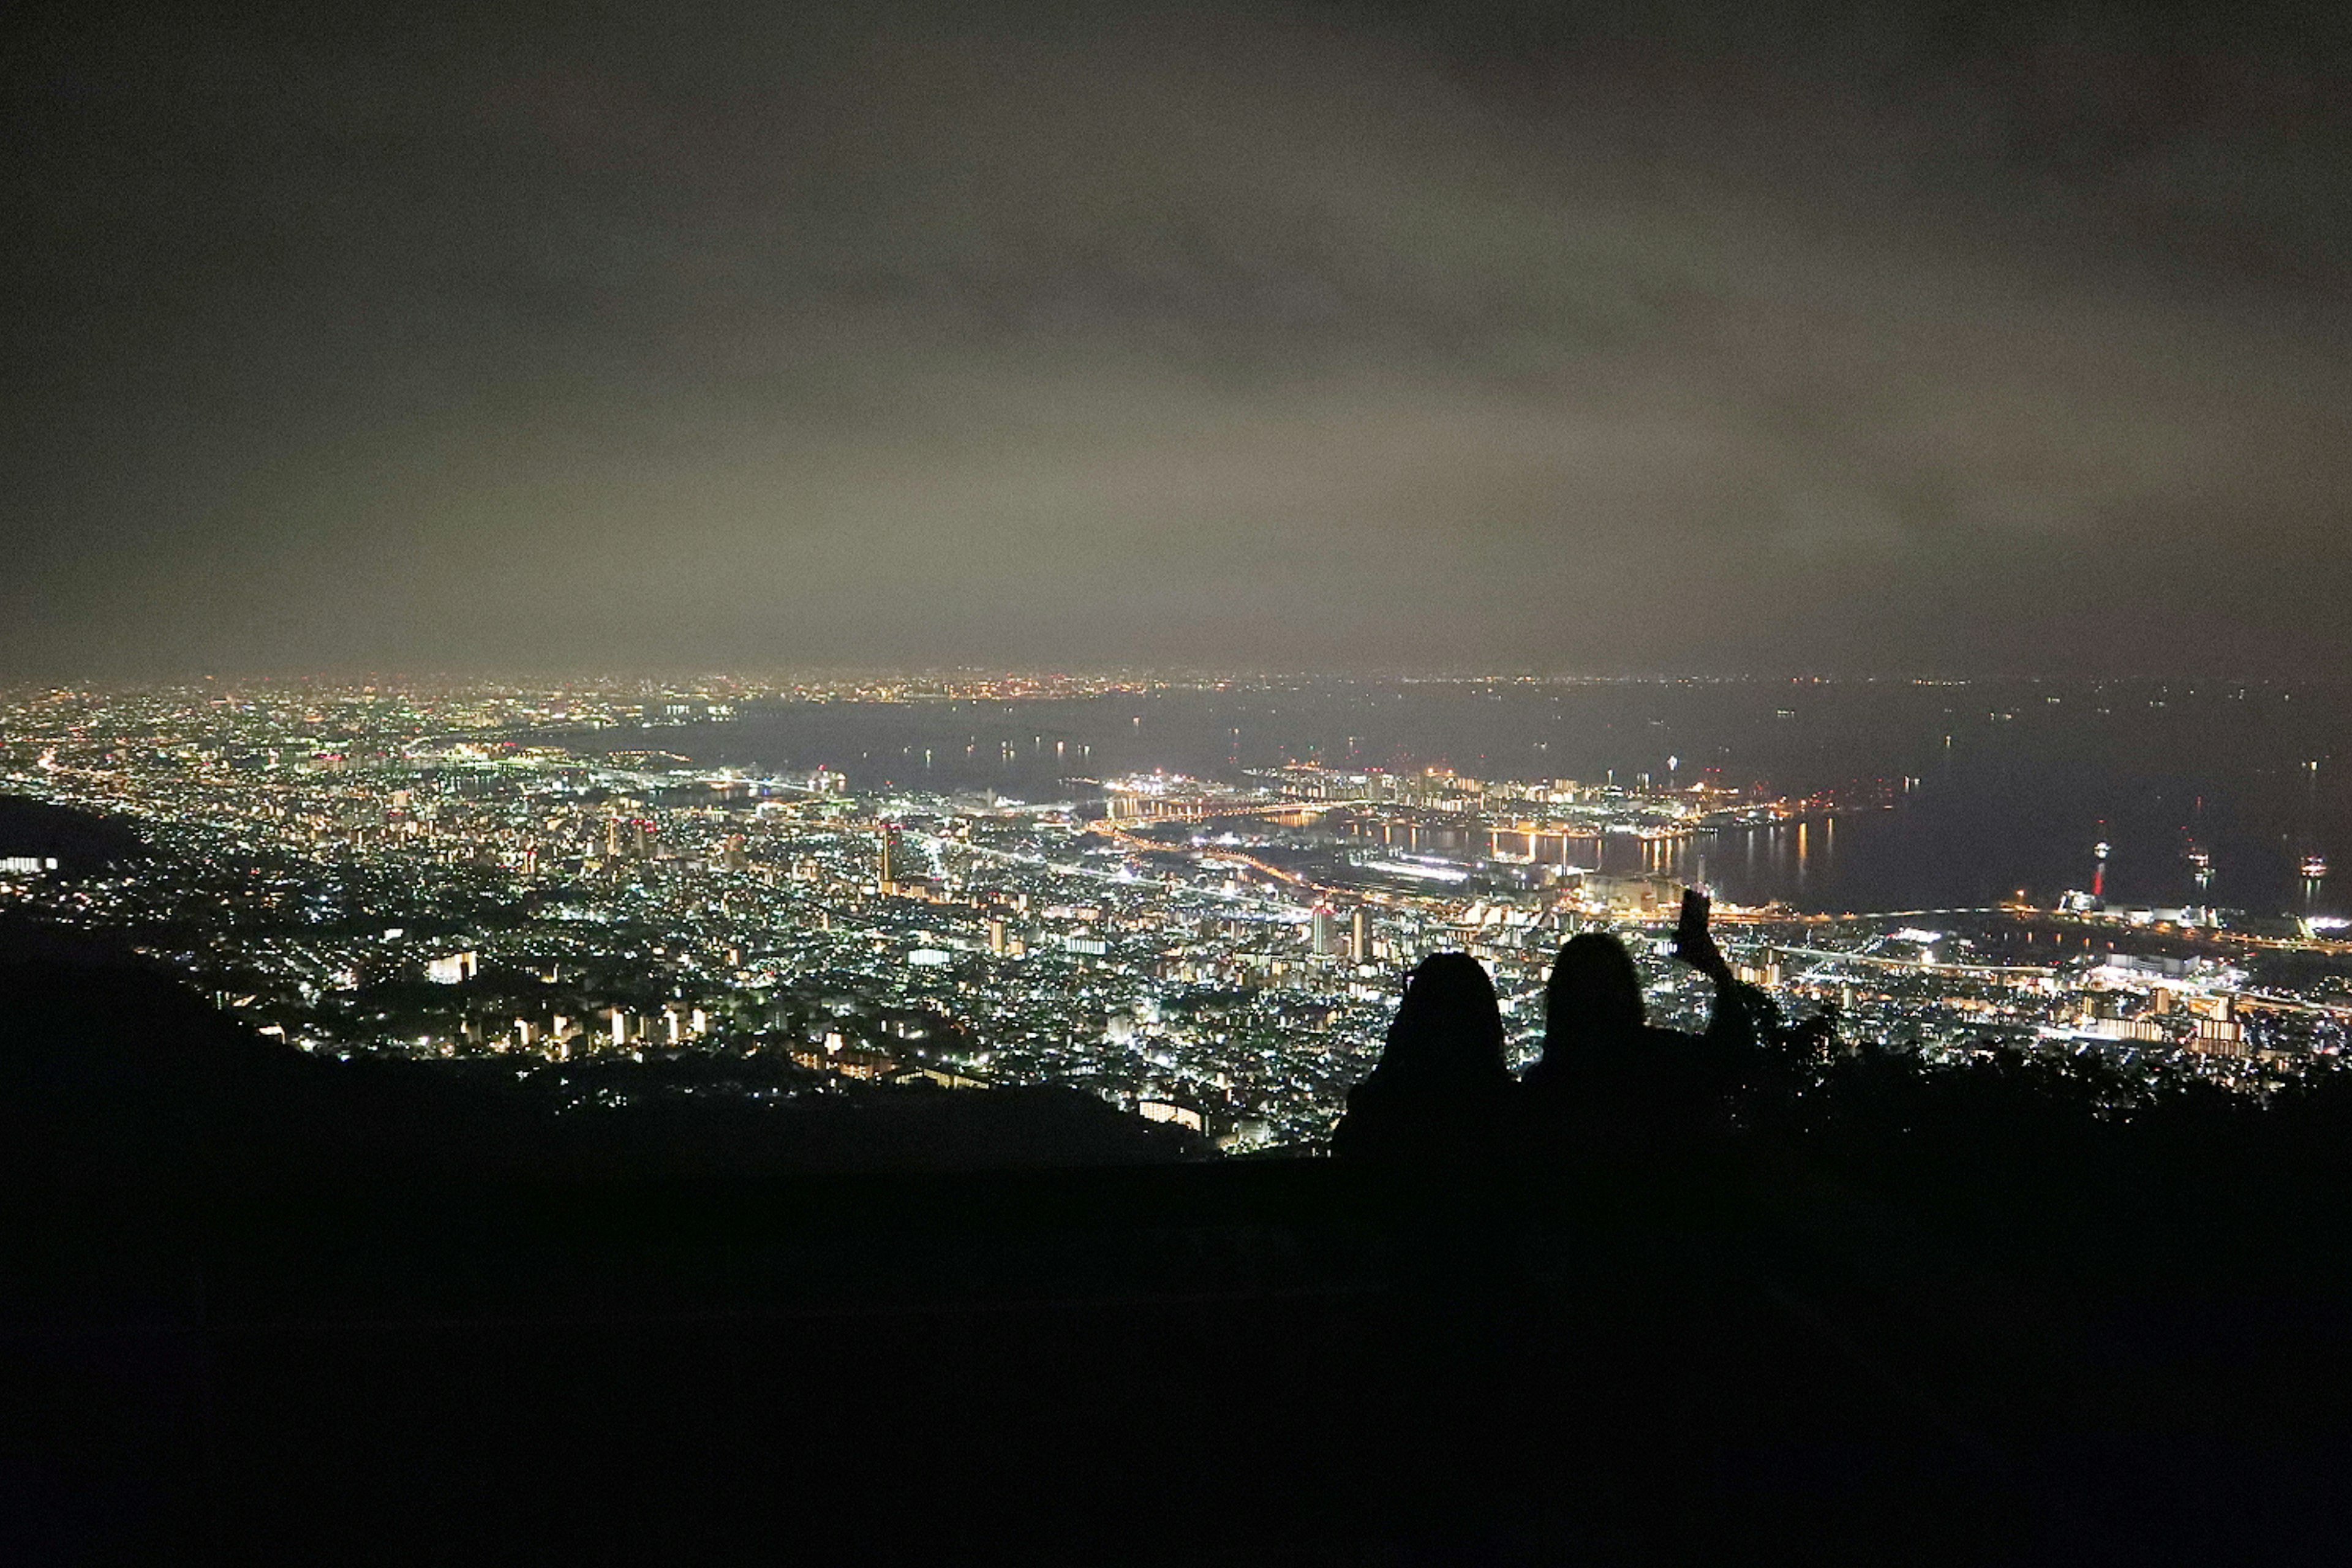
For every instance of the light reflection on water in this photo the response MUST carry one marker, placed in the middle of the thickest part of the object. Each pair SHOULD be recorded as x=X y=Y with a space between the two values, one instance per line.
x=2001 y=806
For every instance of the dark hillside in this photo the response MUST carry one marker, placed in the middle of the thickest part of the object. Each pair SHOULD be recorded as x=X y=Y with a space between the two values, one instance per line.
x=113 y=1076
x=261 y=1307
x=80 y=841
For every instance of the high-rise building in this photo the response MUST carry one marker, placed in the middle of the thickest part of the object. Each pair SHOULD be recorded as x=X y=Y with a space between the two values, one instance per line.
x=1323 y=931
x=1359 y=935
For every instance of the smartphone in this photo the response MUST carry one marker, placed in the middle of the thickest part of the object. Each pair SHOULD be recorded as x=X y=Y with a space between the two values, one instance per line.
x=1696 y=906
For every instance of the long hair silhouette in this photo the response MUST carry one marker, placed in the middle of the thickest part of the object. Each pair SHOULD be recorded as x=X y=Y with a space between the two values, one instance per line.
x=1438 y=1091
x=1607 y=1072
x=1449 y=1025
x=1594 y=995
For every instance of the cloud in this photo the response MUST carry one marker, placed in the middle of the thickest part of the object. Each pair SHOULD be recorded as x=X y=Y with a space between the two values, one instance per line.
x=1328 y=336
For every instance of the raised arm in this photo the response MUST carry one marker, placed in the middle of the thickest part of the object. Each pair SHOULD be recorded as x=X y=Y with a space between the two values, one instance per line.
x=1733 y=1025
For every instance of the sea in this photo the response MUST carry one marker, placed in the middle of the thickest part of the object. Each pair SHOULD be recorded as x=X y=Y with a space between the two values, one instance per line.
x=1995 y=789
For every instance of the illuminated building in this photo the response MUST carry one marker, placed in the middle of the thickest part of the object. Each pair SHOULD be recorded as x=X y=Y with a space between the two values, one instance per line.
x=1169 y=1111
x=452 y=969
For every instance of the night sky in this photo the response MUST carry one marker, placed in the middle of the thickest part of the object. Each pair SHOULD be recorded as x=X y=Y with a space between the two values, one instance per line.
x=1603 y=338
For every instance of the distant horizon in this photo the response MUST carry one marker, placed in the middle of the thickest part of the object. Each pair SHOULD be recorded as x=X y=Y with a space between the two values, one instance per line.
x=1171 y=672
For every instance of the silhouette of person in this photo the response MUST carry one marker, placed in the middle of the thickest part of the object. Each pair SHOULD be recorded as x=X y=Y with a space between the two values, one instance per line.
x=1426 y=1133
x=1439 y=1093
x=1605 y=1068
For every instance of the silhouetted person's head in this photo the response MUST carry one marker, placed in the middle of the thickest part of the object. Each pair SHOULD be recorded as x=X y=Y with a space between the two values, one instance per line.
x=1595 y=993
x=1449 y=1027
x=1437 y=1097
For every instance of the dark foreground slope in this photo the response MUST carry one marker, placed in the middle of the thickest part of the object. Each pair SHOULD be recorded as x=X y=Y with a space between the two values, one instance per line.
x=315 y=1343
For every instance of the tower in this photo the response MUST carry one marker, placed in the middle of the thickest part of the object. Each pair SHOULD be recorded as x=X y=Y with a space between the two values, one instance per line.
x=1324 y=929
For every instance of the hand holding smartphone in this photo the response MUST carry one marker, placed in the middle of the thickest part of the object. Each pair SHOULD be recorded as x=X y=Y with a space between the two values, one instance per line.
x=1694 y=943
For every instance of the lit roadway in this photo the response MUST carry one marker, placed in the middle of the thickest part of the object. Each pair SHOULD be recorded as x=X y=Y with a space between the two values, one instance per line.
x=1986 y=971
x=1076 y=869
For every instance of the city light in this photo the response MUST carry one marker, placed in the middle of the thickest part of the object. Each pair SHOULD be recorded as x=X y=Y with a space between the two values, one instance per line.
x=1223 y=944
